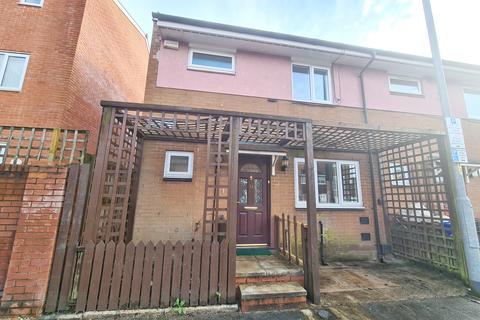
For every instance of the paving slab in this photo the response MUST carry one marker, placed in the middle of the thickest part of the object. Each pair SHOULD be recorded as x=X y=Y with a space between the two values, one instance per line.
x=260 y=266
x=271 y=290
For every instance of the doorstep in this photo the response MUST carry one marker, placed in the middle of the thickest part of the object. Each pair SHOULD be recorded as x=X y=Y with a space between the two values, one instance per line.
x=266 y=296
x=255 y=269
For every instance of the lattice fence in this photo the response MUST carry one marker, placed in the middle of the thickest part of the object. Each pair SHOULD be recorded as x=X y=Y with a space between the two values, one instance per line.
x=417 y=204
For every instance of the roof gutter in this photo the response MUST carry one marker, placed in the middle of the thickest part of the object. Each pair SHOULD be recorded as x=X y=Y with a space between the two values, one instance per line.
x=302 y=43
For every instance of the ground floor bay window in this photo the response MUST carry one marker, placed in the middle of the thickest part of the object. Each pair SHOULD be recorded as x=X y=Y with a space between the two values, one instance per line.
x=337 y=184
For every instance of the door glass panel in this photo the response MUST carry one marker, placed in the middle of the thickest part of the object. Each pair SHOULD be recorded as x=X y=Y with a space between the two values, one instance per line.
x=243 y=191
x=258 y=190
x=327 y=182
x=250 y=168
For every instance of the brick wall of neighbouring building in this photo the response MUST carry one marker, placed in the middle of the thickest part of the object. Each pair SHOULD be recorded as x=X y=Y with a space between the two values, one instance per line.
x=173 y=210
x=33 y=245
x=12 y=186
x=80 y=53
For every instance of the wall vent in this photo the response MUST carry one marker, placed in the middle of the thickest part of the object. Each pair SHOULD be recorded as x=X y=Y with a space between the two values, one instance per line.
x=170 y=44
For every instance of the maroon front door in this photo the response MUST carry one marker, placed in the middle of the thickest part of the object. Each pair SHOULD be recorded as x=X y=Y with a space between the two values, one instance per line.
x=252 y=215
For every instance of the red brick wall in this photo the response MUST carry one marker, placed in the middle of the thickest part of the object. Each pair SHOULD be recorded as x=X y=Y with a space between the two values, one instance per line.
x=81 y=52
x=110 y=64
x=33 y=247
x=170 y=210
x=49 y=34
x=11 y=194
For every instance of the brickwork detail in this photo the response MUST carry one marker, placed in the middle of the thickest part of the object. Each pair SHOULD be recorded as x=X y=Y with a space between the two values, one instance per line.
x=33 y=247
x=11 y=195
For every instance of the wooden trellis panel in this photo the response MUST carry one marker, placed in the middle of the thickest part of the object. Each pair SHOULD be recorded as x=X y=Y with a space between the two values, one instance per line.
x=113 y=193
x=41 y=146
x=215 y=213
x=417 y=203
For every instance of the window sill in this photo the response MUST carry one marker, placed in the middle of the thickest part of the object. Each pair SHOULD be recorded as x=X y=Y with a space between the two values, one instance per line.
x=327 y=104
x=334 y=208
x=31 y=5
x=195 y=68
x=413 y=95
x=10 y=89
x=178 y=179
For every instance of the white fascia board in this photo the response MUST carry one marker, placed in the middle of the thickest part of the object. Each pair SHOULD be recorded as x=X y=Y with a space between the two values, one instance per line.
x=301 y=45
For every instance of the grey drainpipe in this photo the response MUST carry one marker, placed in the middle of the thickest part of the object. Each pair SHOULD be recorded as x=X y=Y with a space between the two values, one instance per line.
x=380 y=253
x=362 y=86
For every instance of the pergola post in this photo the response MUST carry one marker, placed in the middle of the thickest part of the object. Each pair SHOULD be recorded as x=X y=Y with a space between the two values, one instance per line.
x=312 y=278
x=96 y=191
x=234 y=145
x=233 y=180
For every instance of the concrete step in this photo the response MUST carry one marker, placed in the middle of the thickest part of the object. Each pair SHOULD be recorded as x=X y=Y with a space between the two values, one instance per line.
x=271 y=295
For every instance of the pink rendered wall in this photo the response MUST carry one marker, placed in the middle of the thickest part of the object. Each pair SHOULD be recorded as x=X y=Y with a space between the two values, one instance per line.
x=256 y=75
x=269 y=76
x=379 y=97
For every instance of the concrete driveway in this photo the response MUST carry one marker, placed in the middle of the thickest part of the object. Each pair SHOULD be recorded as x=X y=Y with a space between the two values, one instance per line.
x=397 y=290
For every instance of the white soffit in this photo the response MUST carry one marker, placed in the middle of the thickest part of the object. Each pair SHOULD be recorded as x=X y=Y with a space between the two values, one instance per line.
x=287 y=48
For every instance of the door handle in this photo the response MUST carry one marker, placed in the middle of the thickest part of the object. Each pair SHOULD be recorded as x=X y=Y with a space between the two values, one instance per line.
x=251 y=208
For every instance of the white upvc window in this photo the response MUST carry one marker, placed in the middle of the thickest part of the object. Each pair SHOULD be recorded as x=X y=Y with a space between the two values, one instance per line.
x=178 y=165
x=12 y=70
x=472 y=103
x=311 y=83
x=214 y=61
x=406 y=85
x=3 y=152
x=337 y=184
x=35 y=3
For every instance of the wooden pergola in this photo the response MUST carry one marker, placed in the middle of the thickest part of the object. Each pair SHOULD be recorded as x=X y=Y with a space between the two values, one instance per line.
x=125 y=126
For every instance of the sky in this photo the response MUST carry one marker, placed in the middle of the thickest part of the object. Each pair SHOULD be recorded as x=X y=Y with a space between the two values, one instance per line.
x=395 y=25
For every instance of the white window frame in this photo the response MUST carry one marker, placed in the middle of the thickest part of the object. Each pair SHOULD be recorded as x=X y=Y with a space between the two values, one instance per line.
x=192 y=66
x=475 y=91
x=178 y=175
x=311 y=70
x=3 y=152
x=31 y=4
x=3 y=67
x=416 y=80
x=341 y=203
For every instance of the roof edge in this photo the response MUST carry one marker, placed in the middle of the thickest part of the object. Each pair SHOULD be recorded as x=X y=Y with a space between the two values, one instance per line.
x=312 y=41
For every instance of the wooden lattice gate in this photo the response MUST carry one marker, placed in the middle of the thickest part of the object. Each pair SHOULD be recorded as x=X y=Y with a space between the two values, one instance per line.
x=417 y=203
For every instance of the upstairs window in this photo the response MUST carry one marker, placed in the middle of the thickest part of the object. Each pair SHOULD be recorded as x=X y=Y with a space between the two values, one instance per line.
x=36 y=3
x=211 y=61
x=12 y=70
x=178 y=165
x=472 y=103
x=404 y=85
x=337 y=184
x=310 y=83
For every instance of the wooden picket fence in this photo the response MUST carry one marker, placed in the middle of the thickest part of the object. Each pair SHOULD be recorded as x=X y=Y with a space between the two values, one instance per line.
x=290 y=238
x=118 y=276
